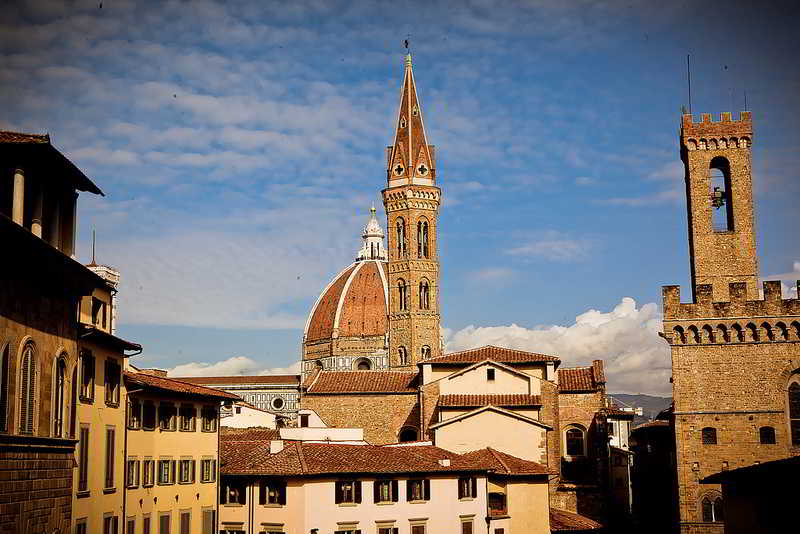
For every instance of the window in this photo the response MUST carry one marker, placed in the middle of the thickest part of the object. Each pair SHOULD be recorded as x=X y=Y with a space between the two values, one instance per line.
x=146 y=524
x=83 y=459
x=709 y=435
x=112 y=378
x=402 y=293
x=186 y=521
x=766 y=435
x=130 y=528
x=401 y=237
x=110 y=524
x=233 y=491
x=388 y=530
x=4 y=362
x=721 y=201
x=610 y=428
x=209 y=523
x=27 y=395
x=187 y=418
x=148 y=472
x=98 y=313
x=467 y=487
x=58 y=397
x=80 y=526
x=407 y=434
x=348 y=491
x=384 y=491
x=186 y=471
x=87 y=377
x=490 y=375
x=363 y=365
x=418 y=529
x=466 y=526
x=418 y=489
x=209 y=419
x=576 y=443
x=134 y=413
x=712 y=509
x=402 y=356
x=422 y=239
x=148 y=415
x=497 y=503
x=164 y=520
x=794 y=412
x=110 y=435
x=425 y=352
x=166 y=472
x=132 y=473
x=272 y=492
x=277 y=403
x=304 y=420
x=424 y=296
x=209 y=470
x=166 y=416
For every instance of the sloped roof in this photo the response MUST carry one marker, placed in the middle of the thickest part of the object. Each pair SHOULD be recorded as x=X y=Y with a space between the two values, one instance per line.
x=19 y=137
x=253 y=433
x=503 y=463
x=490 y=408
x=468 y=401
x=242 y=380
x=582 y=379
x=564 y=521
x=490 y=352
x=363 y=382
x=176 y=386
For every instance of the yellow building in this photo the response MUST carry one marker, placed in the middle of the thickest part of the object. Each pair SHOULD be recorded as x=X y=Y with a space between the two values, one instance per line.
x=170 y=448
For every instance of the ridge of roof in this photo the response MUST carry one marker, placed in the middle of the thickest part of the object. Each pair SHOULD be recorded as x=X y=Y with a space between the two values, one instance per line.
x=7 y=136
x=498 y=354
x=177 y=386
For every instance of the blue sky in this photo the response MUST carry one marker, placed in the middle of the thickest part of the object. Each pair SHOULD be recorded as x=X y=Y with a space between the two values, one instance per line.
x=240 y=146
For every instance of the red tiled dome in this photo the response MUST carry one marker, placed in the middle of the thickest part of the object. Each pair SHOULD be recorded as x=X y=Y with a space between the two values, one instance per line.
x=353 y=305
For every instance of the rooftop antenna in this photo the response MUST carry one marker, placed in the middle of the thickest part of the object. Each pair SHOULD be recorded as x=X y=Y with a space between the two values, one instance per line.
x=689 y=79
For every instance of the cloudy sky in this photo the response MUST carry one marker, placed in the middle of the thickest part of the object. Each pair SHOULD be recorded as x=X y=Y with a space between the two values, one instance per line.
x=240 y=146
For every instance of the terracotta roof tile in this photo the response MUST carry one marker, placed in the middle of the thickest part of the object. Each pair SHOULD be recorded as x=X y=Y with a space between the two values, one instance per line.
x=616 y=411
x=253 y=433
x=364 y=310
x=490 y=352
x=19 y=137
x=176 y=386
x=321 y=324
x=364 y=382
x=503 y=463
x=484 y=400
x=241 y=380
x=563 y=521
x=576 y=379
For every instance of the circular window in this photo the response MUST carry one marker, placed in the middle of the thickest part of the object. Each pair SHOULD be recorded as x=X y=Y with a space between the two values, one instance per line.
x=277 y=403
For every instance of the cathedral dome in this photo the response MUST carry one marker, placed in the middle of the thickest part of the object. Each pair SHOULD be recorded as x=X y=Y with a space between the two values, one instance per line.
x=354 y=304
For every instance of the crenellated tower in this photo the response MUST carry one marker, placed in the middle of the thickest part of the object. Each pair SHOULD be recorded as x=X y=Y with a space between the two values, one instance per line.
x=412 y=205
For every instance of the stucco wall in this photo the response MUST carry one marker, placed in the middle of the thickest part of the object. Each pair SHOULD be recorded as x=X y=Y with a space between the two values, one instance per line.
x=474 y=381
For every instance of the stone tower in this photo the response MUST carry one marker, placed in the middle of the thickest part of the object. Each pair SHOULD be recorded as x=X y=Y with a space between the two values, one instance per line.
x=735 y=356
x=412 y=205
x=719 y=191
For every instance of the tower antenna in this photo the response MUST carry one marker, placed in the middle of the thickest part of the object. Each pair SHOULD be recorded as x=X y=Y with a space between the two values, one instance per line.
x=689 y=79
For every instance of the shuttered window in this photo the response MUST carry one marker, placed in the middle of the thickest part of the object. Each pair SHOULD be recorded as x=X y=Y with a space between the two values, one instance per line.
x=186 y=521
x=208 y=522
x=110 y=435
x=58 y=398
x=83 y=459
x=4 y=357
x=27 y=394
x=164 y=523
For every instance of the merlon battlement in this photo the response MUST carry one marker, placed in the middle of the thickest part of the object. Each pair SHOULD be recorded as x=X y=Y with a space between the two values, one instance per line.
x=772 y=305
x=726 y=126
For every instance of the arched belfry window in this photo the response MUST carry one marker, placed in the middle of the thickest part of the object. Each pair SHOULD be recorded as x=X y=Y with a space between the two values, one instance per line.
x=27 y=389
x=720 y=197
x=794 y=410
x=402 y=356
x=402 y=295
x=425 y=352
x=424 y=295
x=711 y=507
x=401 y=237
x=59 y=386
x=423 y=250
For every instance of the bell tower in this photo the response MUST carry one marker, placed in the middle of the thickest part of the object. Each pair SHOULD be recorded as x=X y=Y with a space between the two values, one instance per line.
x=719 y=202
x=412 y=205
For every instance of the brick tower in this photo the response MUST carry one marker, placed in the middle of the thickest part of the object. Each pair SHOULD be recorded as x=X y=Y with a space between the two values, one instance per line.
x=412 y=205
x=735 y=356
x=722 y=242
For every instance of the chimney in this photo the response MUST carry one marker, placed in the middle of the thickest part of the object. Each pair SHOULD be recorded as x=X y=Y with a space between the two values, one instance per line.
x=444 y=462
x=275 y=446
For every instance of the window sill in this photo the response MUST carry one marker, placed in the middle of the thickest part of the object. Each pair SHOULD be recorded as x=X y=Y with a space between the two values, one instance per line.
x=83 y=494
x=166 y=483
x=167 y=429
x=499 y=516
x=385 y=503
x=107 y=491
x=147 y=486
x=86 y=400
x=134 y=428
x=148 y=429
x=133 y=487
x=188 y=430
x=112 y=404
x=347 y=504
x=272 y=505
x=418 y=501
x=233 y=505
x=467 y=499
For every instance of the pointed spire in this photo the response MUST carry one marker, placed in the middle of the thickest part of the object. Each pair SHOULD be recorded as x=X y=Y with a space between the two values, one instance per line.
x=410 y=157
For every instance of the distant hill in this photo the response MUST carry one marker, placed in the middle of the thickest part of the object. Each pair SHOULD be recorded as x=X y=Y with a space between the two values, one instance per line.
x=649 y=404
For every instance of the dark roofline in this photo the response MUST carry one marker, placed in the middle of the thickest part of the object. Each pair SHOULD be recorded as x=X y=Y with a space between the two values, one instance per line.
x=110 y=340
x=785 y=466
x=209 y=393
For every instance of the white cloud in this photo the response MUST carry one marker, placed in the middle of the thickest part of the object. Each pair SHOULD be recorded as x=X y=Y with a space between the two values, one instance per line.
x=636 y=359
x=491 y=274
x=788 y=281
x=554 y=246
x=661 y=197
x=236 y=365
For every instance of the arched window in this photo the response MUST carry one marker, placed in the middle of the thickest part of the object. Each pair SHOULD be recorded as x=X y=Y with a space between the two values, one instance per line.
x=794 y=410
x=407 y=433
x=363 y=364
x=73 y=402
x=402 y=294
x=401 y=237
x=709 y=436
x=422 y=239
x=425 y=352
x=27 y=389
x=721 y=200
x=766 y=435
x=4 y=362
x=575 y=441
x=424 y=296
x=402 y=356
x=712 y=509
x=59 y=385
